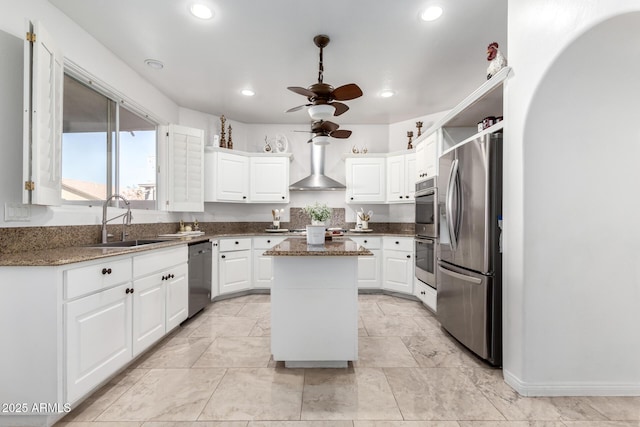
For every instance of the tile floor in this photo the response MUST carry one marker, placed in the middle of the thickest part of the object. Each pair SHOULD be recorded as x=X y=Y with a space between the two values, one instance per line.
x=216 y=371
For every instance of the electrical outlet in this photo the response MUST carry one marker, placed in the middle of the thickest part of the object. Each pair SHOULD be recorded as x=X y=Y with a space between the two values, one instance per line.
x=17 y=212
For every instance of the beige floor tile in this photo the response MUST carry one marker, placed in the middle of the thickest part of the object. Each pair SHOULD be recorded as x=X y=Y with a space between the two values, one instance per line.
x=383 y=352
x=436 y=350
x=602 y=423
x=236 y=352
x=178 y=352
x=439 y=394
x=622 y=408
x=404 y=309
x=428 y=324
x=575 y=409
x=96 y=424
x=369 y=308
x=511 y=424
x=405 y=424
x=165 y=395
x=262 y=328
x=247 y=298
x=257 y=394
x=99 y=401
x=218 y=309
x=512 y=405
x=300 y=424
x=193 y=424
x=348 y=394
x=391 y=326
x=362 y=331
x=255 y=310
x=224 y=327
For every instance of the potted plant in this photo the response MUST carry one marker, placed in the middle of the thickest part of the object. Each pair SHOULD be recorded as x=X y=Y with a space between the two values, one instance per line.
x=318 y=214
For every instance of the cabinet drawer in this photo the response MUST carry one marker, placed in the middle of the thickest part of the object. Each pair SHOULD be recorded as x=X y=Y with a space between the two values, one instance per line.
x=96 y=276
x=426 y=294
x=368 y=242
x=227 y=245
x=399 y=243
x=158 y=260
x=266 y=242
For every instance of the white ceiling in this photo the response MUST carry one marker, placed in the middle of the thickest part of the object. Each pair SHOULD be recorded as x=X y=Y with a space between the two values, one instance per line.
x=267 y=45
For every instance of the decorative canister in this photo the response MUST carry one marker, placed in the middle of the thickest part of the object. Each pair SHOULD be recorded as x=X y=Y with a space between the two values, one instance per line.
x=315 y=234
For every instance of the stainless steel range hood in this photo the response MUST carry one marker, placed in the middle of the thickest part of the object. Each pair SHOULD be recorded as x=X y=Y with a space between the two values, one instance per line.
x=317 y=181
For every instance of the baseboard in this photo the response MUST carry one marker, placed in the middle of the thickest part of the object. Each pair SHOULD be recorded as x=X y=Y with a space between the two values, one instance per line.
x=570 y=389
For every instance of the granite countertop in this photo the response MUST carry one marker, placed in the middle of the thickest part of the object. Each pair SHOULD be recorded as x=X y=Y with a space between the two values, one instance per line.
x=297 y=246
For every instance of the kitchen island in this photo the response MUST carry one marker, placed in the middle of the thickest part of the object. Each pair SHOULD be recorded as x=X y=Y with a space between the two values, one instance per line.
x=314 y=302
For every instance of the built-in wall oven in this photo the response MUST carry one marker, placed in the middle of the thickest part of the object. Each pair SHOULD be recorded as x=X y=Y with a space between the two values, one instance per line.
x=426 y=240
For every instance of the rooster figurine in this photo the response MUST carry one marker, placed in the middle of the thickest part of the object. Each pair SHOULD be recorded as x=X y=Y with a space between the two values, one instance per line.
x=496 y=60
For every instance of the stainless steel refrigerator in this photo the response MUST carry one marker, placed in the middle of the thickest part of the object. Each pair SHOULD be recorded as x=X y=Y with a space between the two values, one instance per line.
x=470 y=263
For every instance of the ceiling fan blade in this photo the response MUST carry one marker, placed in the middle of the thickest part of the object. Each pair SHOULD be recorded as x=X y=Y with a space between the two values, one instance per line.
x=342 y=133
x=299 y=107
x=346 y=92
x=302 y=91
x=340 y=108
x=329 y=126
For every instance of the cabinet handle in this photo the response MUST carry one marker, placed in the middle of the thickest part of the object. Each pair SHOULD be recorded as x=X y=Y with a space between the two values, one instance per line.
x=351 y=198
x=215 y=244
x=423 y=292
x=223 y=256
x=268 y=241
x=406 y=197
x=237 y=243
x=164 y=278
x=365 y=241
x=127 y=291
x=131 y=290
x=408 y=256
x=108 y=271
x=244 y=197
x=282 y=197
x=104 y=271
x=172 y=276
x=397 y=243
x=401 y=197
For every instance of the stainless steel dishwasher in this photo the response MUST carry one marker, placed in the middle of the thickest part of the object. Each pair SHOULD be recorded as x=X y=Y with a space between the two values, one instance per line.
x=199 y=276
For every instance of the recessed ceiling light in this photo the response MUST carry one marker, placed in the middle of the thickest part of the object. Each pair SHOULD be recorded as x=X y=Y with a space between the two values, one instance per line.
x=247 y=92
x=201 y=11
x=431 y=13
x=387 y=93
x=154 y=63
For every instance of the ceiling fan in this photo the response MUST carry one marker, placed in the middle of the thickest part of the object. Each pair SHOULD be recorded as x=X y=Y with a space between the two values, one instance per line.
x=322 y=96
x=323 y=130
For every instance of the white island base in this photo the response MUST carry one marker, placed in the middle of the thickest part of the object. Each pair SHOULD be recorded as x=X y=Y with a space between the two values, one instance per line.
x=314 y=311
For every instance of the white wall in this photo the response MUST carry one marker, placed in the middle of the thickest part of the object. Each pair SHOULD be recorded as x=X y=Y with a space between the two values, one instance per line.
x=398 y=131
x=571 y=251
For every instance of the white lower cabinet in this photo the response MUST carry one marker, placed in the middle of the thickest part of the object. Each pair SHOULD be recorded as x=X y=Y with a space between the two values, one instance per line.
x=234 y=265
x=98 y=338
x=398 y=264
x=177 y=305
x=149 y=312
x=370 y=267
x=426 y=294
x=263 y=265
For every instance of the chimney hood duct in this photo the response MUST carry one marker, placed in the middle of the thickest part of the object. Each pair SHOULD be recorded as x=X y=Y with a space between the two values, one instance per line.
x=317 y=181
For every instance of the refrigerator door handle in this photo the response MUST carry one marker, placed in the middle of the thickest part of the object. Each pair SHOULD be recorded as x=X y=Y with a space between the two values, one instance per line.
x=456 y=275
x=453 y=174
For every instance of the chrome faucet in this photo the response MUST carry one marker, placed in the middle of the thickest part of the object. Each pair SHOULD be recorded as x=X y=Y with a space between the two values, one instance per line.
x=126 y=220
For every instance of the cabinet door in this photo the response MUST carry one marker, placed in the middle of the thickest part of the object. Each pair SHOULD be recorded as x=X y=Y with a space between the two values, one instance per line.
x=232 y=177
x=149 y=303
x=398 y=271
x=98 y=338
x=235 y=271
x=395 y=179
x=262 y=270
x=369 y=270
x=177 y=290
x=421 y=160
x=269 y=179
x=365 y=180
x=185 y=169
x=431 y=155
x=409 y=177
x=426 y=294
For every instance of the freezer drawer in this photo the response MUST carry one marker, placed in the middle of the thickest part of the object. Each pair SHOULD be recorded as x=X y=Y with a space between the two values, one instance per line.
x=468 y=310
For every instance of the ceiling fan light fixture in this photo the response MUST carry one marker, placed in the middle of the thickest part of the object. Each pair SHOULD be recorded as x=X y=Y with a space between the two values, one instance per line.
x=201 y=11
x=321 y=140
x=431 y=13
x=321 y=111
x=387 y=93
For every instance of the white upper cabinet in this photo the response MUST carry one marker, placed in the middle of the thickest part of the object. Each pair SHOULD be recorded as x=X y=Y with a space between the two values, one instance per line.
x=365 y=180
x=185 y=169
x=427 y=157
x=244 y=177
x=269 y=179
x=401 y=178
x=42 y=125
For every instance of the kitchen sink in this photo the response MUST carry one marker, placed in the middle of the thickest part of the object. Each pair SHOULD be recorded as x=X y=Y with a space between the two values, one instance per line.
x=127 y=243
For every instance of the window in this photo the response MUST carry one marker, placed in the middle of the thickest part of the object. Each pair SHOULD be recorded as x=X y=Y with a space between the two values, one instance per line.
x=106 y=149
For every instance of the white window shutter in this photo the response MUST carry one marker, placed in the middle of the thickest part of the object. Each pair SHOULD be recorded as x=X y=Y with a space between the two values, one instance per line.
x=186 y=169
x=43 y=119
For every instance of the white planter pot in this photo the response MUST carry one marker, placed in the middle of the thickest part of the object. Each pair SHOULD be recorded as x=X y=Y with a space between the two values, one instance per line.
x=315 y=234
